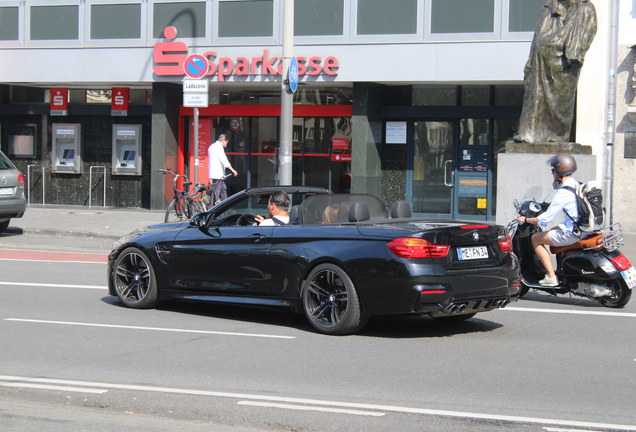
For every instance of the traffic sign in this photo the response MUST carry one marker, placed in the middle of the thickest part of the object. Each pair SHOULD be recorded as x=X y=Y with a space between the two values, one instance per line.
x=195 y=66
x=195 y=100
x=195 y=86
x=293 y=74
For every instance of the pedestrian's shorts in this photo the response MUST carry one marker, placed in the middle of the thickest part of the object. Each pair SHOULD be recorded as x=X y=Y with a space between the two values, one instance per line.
x=559 y=237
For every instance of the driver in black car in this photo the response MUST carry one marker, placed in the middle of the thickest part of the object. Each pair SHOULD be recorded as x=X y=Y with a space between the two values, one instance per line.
x=277 y=208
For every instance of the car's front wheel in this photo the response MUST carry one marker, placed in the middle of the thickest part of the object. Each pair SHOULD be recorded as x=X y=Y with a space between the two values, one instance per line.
x=4 y=225
x=330 y=301
x=134 y=279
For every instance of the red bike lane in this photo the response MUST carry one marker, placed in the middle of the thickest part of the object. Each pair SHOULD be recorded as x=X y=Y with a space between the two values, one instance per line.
x=32 y=255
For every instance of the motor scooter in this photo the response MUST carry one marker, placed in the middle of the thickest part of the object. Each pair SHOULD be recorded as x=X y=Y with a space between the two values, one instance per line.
x=593 y=267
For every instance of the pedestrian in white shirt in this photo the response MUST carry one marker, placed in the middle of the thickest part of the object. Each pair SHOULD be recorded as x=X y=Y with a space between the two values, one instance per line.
x=563 y=166
x=217 y=164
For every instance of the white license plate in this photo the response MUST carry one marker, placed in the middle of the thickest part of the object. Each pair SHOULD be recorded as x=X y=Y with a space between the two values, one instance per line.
x=471 y=253
x=6 y=191
x=630 y=277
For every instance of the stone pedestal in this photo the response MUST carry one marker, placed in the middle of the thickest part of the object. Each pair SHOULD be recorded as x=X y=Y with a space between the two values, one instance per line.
x=523 y=166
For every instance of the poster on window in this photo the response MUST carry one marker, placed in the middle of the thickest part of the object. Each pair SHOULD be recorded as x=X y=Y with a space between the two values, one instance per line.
x=205 y=135
x=395 y=132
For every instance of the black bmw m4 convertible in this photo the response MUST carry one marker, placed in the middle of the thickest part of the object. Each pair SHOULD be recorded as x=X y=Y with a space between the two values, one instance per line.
x=339 y=260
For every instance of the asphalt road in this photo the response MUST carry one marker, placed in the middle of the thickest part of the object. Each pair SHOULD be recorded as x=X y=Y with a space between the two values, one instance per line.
x=74 y=359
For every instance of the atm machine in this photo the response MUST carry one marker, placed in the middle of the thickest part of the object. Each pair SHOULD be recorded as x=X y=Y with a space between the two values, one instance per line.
x=66 y=157
x=126 y=150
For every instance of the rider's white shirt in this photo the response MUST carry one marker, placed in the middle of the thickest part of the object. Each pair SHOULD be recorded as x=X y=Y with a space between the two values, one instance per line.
x=563 y=200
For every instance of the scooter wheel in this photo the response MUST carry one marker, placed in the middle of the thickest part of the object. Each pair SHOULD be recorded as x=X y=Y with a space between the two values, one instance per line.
x=620 y=296
x=523 y=290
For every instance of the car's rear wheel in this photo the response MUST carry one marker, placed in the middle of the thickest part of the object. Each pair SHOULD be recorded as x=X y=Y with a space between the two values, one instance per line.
x=4 y=225
x=134 y=279
x=331 y=303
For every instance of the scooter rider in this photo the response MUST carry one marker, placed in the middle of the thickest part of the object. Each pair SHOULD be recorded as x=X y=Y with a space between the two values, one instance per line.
x=563 y=166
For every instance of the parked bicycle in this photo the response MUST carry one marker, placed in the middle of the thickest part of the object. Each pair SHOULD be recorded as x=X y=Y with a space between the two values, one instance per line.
x=185 y=204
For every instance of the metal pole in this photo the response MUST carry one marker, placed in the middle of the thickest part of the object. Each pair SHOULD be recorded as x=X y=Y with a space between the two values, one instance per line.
x=286 y=98
x=611 y=105
x=195 y=146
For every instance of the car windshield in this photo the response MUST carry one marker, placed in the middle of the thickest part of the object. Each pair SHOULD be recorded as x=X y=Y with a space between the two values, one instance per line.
x=5 y=163
x=257 y=205
x=334 y=208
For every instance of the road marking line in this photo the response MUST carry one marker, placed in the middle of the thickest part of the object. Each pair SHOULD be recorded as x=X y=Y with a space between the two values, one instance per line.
x=571 y=312
x=150 y=328
x=310 y=408
x=51 y=387
x=36 y=255
x=54 y=285
x=353 y=405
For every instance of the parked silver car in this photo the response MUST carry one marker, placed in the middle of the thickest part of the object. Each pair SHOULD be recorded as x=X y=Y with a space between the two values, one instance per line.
x=12 y=200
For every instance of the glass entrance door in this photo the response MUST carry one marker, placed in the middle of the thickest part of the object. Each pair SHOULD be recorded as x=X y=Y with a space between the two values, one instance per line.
x=452 y=169
x=433 y=168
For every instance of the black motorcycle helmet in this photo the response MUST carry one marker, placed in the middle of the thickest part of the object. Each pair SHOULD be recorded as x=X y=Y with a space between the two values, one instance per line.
x=563 y=164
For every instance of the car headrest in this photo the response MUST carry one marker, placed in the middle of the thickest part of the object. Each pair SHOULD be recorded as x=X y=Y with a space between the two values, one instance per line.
x=401 y=209
x=343 y=213
x=293 y=215
x=359 y=211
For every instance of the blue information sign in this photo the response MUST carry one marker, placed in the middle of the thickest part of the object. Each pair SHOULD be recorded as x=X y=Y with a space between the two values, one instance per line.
x=293 y=74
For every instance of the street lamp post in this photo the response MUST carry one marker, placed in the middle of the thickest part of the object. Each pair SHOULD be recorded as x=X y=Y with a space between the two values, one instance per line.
x=286 y=98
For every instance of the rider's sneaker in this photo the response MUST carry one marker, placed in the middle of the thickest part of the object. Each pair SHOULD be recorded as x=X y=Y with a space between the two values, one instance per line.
x=549 y=281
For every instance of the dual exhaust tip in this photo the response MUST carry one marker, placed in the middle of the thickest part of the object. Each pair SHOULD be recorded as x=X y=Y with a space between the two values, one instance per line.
x=458 y=308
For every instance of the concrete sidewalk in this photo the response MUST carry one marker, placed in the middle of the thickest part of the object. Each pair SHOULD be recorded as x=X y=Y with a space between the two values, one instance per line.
x=109 y=223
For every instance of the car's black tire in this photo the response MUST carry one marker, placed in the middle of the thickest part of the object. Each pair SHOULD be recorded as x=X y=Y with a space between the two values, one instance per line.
x=330 y=301
x=134 y=279
x=455 y=318
x=4 y=225
x=622 y=294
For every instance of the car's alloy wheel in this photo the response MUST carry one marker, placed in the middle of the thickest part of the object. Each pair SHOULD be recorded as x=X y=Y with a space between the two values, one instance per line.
x=134 y=279
x=330 y=301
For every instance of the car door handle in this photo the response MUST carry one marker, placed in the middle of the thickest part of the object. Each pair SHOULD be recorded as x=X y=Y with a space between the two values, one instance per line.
x=256 y=237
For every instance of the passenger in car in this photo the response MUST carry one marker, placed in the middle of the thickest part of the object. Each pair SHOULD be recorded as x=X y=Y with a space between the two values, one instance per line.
x=277 y=208
x=330 y=215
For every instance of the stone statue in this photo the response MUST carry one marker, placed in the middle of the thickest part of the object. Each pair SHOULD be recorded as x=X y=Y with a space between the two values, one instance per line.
x=564 y=32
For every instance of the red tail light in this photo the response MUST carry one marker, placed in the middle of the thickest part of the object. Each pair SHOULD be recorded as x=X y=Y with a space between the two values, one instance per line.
x=409 y=247
x=20 y=178
x=506 y=245
x=621 y=263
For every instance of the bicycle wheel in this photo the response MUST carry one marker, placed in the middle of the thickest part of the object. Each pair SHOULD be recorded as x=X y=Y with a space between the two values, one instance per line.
x=194 y=207
x=175 y=212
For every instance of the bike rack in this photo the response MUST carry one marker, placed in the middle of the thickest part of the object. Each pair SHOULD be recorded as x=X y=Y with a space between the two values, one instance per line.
x=90 y=184
x=29 y=182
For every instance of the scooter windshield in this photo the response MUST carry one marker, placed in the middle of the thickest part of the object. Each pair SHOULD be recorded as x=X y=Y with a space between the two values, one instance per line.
x=535 y=193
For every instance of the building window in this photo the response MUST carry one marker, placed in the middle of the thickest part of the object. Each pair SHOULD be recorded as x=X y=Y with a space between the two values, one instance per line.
x=463 y=16
x=254 y=18
x=54 y=22
x=475 y=96
x=9 y=23
x=377 y=17
x=509 y=96
x=318 y=17
x=116 y=21
x=434 y=95
x=523 y=14
x=187 y=17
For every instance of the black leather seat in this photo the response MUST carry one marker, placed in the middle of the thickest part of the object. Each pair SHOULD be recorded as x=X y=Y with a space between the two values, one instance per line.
x=401 y=209
x=359 y=211
x=293 y=215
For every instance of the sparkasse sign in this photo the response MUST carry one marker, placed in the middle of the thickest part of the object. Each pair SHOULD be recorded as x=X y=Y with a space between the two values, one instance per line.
x=170 y=58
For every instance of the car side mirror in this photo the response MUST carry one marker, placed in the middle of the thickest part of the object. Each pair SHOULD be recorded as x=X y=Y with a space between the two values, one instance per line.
x=200 y=220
